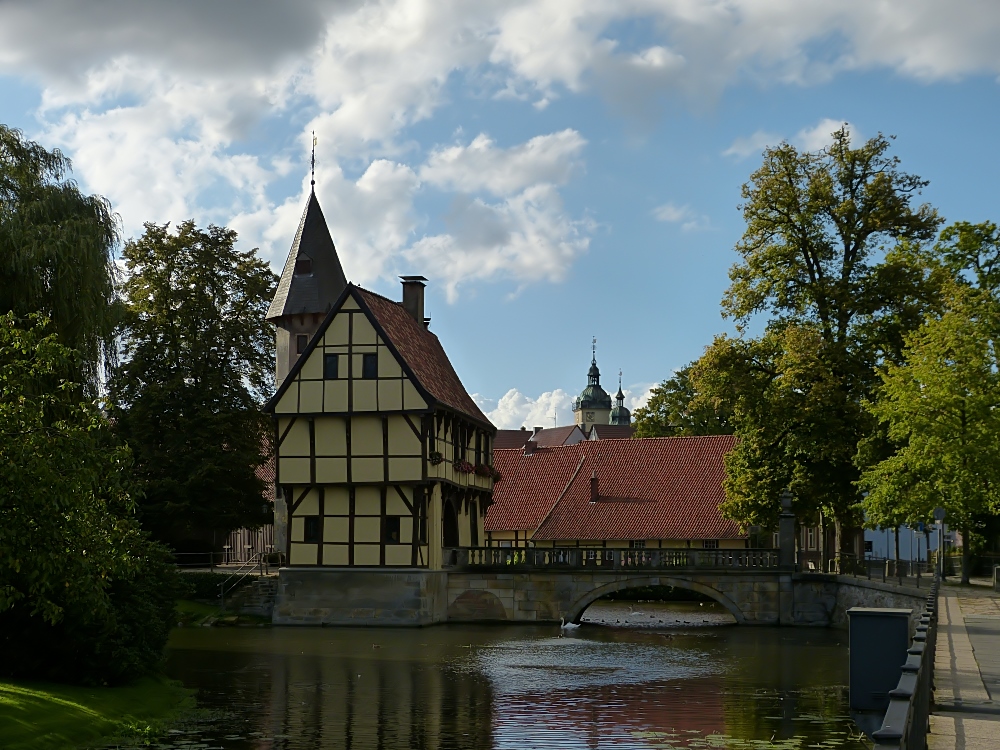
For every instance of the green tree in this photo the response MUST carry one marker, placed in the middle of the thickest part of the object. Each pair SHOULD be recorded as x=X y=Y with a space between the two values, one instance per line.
x=674 y=408
x=197 y=362
x=83 y=594
x=832 y=258
x=942 y=405
x=938 y=404
x=56 y=251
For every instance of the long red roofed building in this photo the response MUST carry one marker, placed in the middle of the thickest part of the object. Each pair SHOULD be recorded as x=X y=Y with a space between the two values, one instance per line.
x=649 y=492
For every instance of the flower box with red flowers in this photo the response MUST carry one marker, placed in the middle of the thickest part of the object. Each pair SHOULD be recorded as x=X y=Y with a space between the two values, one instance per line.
x=464 y=467
x=435 y=457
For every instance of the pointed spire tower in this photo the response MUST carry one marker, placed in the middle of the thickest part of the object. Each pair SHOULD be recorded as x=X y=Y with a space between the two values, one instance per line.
x=593 y=405
x=619 y=414
x=310 y=283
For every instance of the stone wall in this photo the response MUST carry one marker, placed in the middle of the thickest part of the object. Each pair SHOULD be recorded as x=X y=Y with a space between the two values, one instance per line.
x=860 y=592
x=360 y=597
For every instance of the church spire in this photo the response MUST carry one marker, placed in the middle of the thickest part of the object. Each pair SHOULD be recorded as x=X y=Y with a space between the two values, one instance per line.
x=593 y=374
x=619 y=414
x=312 y=164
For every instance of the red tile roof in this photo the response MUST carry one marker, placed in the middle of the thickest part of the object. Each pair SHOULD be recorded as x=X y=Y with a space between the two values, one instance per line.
x=423 y=353
x=611 y=431
x=650 y=488
x=511 y=439
x=528 y=485
x=554 y=436
x=543 y=438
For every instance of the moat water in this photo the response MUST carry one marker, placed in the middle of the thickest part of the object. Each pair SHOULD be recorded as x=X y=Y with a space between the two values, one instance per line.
x=632 y=676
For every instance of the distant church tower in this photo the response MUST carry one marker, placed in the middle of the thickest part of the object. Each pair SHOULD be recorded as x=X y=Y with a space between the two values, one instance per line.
x=593 y=405
x=619 y=414
x=311 y=281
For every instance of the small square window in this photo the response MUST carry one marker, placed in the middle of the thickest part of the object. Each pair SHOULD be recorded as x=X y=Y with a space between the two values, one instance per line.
x=303 y=266
x=637 y=544
x=311 y=533
x=392 y=530
x=301 y=342
x=330 y=362
x=711 y=544
x=369 y=366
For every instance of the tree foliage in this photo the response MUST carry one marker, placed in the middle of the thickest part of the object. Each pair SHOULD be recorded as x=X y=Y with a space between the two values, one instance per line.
x=197 y=361
x=56 y=251
x=675 y=409
x=832 y=257
x=72 y=557
x=941 y=404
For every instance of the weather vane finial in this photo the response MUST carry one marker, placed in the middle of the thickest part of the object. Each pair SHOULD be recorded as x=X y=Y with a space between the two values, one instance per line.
x=593 y=349
x=312 y=180
x=619 y=378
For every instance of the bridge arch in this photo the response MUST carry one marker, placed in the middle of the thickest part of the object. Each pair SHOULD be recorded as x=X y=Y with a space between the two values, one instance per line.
x=576 y=610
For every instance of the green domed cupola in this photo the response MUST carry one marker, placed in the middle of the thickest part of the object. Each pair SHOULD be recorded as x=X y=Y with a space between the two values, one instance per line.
x=593 y=405
x=619 y=414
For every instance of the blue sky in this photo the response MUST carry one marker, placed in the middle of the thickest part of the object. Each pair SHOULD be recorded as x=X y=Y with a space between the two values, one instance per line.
x=558 y=170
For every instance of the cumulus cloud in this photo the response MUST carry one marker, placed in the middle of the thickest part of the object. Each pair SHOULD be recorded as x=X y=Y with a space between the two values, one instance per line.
x=153 y=100
x=514 y=410
x=524 y=238
x=751 y=145
x=810 y=138
x=820 y=135
x=687 y=217
x=482 y=166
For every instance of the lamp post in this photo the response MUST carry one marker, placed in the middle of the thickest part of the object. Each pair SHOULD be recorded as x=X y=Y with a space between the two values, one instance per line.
x=939 y=515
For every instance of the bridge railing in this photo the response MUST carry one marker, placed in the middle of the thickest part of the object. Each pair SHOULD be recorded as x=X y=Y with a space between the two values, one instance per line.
x=581 y=558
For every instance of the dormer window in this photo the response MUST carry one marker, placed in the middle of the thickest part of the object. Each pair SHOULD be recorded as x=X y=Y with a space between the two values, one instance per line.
x=303 y=265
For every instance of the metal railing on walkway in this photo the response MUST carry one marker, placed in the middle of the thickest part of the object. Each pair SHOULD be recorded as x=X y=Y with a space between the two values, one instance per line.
x=902 y=572
x=907 y=720
x=582 y=558
x=256 y=565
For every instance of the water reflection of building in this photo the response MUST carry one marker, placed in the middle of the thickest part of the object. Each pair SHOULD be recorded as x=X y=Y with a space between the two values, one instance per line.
x=364 y=702
x=693 y=706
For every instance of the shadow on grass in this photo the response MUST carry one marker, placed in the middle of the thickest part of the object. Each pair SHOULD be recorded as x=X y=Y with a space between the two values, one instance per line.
x=37 y=715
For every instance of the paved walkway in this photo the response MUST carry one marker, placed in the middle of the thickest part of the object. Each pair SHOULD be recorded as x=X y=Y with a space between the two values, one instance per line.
x=966 y=670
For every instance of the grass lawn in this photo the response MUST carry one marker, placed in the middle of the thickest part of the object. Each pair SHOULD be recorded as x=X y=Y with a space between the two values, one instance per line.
x=47 y=715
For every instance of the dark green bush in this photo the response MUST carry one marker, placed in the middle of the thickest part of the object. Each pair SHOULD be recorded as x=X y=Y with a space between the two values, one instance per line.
x=107 y=645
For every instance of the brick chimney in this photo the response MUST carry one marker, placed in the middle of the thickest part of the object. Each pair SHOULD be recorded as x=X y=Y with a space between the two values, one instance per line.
x=413 y=298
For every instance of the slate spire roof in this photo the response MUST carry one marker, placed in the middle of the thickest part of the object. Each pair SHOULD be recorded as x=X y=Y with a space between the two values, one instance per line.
x=312 y=278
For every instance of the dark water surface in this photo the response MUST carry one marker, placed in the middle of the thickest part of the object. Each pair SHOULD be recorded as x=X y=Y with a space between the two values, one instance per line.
x=651 y=676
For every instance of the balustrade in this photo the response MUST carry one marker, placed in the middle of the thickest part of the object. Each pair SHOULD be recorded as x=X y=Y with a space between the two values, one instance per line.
x=607 y=559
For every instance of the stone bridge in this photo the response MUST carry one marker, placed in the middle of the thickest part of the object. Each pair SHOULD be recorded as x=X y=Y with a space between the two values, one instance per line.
x=544 y=585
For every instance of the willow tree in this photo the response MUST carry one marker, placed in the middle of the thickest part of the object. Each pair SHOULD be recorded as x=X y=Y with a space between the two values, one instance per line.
x=831 y=260
x=56 y=250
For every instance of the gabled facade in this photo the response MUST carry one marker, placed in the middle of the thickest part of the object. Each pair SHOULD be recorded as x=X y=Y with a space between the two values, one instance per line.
x=382 y=457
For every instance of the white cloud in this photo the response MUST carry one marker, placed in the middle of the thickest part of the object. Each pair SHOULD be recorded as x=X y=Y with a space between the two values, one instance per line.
x=524 y=238
x=687 y=217
x=515 y=410
x=153 y=101
x=820 y=135
x=752 y=145
x=501 y=171
x=811 y=138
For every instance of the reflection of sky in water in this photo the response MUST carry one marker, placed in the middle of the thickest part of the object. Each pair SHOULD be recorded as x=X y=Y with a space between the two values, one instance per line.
x=573 y=663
